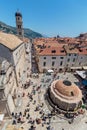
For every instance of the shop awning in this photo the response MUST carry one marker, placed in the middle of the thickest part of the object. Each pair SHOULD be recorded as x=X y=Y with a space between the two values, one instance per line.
x=76 y=67
x=50 y=71
x=1 y=117
x=85 y=67
x=84 y=82
x=82 y=74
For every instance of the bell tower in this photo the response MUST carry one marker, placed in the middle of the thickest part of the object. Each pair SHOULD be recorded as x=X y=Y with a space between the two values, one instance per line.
x=19 y=24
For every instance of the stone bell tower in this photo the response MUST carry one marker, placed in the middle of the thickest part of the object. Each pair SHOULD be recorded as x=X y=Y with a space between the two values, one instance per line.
x=19 y=24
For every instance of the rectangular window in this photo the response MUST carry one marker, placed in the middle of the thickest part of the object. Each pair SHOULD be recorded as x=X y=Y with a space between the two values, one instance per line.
x=19 y=26
x=62 y=51
x=44 y=63
x=74 y=60
x=61 y=57
x=20 y=33
x=69 y=54
x=79 y=63
x=61 y=63
x=18 y=18
x=68 y=60
x=53 y=57
x=53 y=51
x=53 y=63
x=74 y=54
x=80 y=50
x=44 y=57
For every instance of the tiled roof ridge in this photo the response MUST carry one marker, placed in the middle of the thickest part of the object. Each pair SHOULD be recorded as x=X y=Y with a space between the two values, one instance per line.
x=9 y=40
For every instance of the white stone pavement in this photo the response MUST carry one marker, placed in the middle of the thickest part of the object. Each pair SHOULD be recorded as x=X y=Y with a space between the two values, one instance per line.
x=57 y=123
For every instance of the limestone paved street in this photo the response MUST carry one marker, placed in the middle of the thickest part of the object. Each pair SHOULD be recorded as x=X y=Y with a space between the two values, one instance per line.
x=56 y=123
x=25 y=101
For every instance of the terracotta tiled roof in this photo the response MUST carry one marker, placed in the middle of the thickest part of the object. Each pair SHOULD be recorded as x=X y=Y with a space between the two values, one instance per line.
x=83 y=51
x=70 y=49
x=25 y=40
x=9 y=40
x=71 y=45
x=54 y=51
x=66 y=89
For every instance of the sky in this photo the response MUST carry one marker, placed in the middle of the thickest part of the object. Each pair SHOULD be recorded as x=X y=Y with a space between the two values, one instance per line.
x=48 y=17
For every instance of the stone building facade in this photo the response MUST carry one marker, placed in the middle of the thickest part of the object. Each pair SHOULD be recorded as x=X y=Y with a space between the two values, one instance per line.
x=8 y=87
x=12 y=50
x=61 y=59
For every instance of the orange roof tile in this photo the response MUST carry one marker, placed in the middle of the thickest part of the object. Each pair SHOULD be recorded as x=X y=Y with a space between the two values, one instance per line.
x=54 y=51
x=70 y=49
x=83 y=51
x=70 y=45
